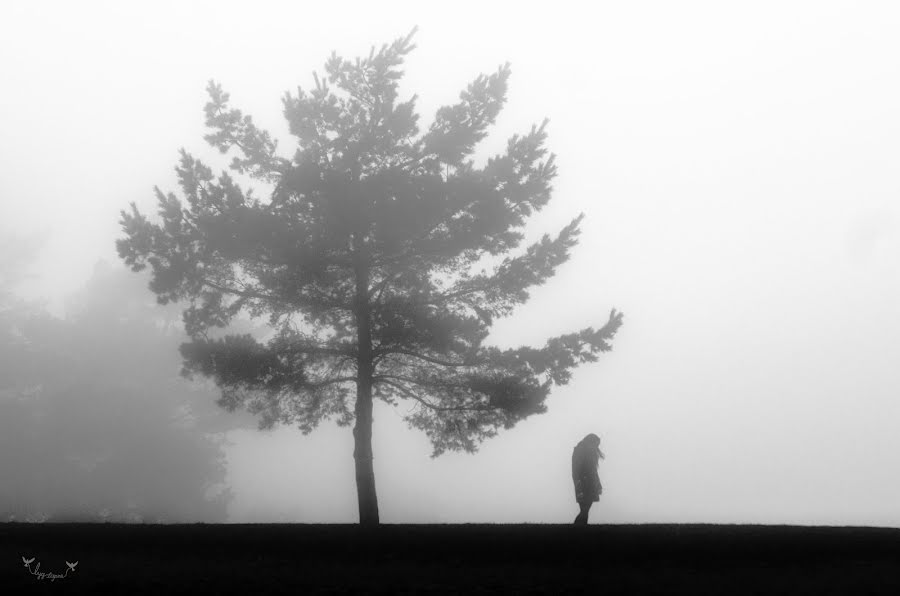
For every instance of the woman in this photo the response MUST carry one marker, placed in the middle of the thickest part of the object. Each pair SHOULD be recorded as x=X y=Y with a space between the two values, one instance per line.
x=585 y=459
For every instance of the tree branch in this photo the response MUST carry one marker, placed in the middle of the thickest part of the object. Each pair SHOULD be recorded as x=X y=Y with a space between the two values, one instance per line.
x=326 y=382
x=383 y=284
x=424 y=357
x=236 y=292
x=407 y=393
x=315 y=349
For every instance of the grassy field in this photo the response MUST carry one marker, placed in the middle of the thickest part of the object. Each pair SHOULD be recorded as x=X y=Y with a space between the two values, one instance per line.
x=449 y=559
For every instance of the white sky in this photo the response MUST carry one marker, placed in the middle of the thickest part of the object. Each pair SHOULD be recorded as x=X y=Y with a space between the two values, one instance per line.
x=738 y=166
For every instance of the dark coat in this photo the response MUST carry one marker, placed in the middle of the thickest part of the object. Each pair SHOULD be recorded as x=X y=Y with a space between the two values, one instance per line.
x=585 y=459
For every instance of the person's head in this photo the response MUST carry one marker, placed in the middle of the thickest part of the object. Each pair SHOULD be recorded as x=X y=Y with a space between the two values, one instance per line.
x=591 y=440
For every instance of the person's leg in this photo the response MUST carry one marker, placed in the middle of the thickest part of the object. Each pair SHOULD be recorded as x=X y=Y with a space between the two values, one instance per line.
x=582 y=518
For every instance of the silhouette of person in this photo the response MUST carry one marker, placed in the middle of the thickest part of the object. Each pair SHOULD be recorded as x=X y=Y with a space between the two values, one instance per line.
x=585 y=458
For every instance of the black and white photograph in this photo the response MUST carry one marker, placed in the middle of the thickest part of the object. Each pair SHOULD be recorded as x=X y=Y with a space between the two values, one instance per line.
x=468 y=297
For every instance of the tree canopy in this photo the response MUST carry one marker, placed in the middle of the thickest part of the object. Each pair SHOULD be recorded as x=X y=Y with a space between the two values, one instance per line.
x=381 y=255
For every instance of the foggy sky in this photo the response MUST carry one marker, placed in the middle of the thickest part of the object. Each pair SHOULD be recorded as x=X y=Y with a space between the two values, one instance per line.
x=738 y=168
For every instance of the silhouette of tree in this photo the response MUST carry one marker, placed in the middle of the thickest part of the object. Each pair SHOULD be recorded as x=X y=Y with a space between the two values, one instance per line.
x=381 y=257
x=95 y=422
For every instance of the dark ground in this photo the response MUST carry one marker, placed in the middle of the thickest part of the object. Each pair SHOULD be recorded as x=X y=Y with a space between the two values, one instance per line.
x=451 y=559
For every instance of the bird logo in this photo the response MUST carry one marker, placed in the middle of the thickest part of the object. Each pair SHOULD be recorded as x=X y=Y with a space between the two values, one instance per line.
x=27 y=561
x=72 y=565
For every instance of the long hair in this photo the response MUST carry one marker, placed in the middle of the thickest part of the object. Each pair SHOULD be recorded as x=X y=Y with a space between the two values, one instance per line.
x=589 y=448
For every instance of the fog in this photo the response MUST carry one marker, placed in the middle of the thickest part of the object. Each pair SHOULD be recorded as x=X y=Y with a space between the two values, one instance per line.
x=737 y=166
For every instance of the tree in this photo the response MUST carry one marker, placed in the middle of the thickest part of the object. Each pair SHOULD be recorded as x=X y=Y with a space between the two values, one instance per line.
x=95 y=422
x=381 y=257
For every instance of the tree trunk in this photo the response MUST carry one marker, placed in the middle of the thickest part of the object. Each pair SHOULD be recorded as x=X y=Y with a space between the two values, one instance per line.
x=362 y=453
x=362 y=430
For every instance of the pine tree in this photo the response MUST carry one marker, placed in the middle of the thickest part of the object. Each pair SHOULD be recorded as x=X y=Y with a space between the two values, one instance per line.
x=381 y=257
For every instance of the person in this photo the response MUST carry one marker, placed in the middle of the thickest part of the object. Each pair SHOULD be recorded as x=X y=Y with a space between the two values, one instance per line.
x=585 y=458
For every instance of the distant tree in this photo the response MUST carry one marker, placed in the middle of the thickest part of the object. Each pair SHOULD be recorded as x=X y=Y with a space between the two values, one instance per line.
x=95 y=422
x=381 y=257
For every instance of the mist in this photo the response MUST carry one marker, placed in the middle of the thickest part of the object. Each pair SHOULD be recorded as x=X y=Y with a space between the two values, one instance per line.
x=737 y=171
